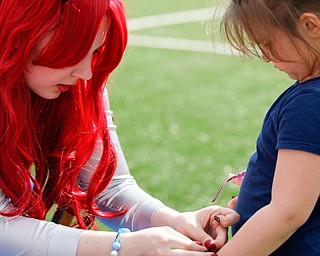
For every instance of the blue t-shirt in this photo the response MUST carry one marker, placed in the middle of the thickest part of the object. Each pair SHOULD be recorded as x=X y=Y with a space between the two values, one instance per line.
x=292 y=122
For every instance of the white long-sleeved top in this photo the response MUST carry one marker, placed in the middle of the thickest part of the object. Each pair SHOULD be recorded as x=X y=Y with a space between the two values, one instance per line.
x=21 y=236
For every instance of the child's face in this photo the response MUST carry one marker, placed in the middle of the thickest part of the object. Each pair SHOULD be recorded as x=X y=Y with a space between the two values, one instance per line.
x=49 y=83
x=289 y=53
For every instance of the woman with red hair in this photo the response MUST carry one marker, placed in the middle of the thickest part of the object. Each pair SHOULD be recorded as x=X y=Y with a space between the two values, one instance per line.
x=59 y=147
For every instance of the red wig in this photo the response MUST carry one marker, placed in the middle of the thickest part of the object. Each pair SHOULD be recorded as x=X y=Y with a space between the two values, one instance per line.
x=55 y=138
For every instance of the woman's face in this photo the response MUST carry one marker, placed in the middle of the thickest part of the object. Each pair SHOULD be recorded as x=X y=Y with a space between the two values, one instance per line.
x=49 y=83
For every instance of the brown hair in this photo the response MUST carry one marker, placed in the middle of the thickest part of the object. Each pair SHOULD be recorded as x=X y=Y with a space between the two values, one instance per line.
x=247 y=23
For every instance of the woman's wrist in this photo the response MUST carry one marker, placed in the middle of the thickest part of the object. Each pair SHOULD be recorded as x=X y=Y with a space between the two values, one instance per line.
x=165 y=217
x=95 y=243
x=131 y=244
x=116 y=245
x=99 y=243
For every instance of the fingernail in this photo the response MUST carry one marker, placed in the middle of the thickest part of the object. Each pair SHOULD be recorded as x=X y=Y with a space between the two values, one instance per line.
x=207 y=243
x=198 y=242
x=211 y=247
x=217 y=218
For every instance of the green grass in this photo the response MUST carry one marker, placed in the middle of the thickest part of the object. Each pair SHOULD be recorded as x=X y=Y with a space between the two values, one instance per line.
x=185 y=119
x=138 y=8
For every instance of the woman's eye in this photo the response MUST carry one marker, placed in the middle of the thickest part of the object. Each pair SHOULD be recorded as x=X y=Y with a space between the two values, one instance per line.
x=97 y=52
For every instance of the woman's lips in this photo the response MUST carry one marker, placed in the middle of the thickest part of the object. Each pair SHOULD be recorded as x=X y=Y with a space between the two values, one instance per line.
x=63 y=88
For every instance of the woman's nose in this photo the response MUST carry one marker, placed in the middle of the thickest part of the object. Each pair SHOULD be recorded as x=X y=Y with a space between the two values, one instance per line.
x=83 y=69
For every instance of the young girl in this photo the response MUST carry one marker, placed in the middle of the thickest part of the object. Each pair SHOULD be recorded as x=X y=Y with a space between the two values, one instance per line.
x=58 y=145
x=279 y=197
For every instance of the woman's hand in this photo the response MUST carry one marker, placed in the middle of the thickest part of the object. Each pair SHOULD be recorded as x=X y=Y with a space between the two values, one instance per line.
x=159 y=241
x=202 y=225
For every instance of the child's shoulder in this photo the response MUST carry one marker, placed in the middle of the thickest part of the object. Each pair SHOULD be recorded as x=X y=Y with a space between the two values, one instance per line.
x=299 y=95
x=303 y=89
x=311 y=84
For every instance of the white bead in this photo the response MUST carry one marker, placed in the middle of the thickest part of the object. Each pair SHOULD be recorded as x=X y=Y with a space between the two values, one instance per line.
x=114 y=253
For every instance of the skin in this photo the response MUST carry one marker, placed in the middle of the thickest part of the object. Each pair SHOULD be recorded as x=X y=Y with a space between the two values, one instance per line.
x=174 y=233
x=50 y=83
x=292 y=201
x=290 y=62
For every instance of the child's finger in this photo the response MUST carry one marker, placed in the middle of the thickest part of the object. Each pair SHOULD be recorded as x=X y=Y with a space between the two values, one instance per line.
x=236 y=180
x=233 y=202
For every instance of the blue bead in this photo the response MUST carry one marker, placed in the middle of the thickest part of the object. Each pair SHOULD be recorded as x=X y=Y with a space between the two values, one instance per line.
x=123 y=230
x=116 y=246
x=116 y=243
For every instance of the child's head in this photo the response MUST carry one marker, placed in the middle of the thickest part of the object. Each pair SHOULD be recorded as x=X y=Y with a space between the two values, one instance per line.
x=286 y=31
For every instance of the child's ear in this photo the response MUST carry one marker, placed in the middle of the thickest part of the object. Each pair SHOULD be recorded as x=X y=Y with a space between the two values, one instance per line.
x=310 y=25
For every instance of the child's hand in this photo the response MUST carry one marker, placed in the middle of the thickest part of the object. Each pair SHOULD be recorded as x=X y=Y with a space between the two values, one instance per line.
x=235 y=179
x=233 y=202
x=238 y=178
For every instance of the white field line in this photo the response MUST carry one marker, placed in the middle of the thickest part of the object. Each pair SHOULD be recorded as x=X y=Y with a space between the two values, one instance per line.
x=179 y=44
x=168 y=19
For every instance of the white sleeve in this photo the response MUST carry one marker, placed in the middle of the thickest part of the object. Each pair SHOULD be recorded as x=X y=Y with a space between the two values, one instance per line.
x=31 y=237
x=123 y=191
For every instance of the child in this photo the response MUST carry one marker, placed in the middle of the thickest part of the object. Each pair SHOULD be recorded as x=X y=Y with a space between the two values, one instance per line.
x=279 y=197
x=58 y=145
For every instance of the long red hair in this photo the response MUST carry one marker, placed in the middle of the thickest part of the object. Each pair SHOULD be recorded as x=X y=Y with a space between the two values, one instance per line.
x=55 y=138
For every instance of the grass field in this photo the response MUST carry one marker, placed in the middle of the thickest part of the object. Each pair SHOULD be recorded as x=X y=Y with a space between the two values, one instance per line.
x=187 y=118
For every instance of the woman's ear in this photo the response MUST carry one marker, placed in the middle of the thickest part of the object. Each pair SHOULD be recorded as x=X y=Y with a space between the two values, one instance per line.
x=309 y=24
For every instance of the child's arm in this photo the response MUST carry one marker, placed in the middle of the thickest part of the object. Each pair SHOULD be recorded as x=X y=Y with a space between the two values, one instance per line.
x=295 y=192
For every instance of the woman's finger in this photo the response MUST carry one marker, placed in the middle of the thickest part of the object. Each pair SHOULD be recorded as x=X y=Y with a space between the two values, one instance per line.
x=179 y=241
x=179 y=252
x=221 y=237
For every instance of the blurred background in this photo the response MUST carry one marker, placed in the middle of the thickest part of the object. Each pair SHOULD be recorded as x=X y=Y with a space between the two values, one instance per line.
x=188 y=113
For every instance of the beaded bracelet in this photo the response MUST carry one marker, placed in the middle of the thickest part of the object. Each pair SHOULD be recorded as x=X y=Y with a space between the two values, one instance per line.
x=116 y=243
